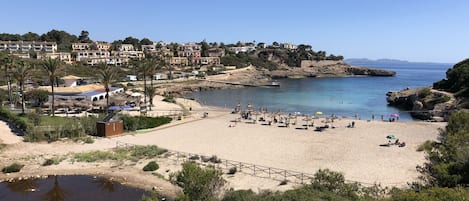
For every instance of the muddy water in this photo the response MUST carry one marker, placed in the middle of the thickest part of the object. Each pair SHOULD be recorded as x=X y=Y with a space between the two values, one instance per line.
x=69 y=188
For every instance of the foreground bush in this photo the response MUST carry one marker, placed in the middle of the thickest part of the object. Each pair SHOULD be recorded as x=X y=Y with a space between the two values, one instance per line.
x=15 y=167
x=151 y=166
x=199 y=184
x=431 y=194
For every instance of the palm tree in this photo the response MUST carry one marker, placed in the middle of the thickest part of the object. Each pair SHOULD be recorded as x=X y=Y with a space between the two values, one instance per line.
x=52 y=66
x=7 y=61
x=144 y=67
x=107 y=74
x=20 y=73
x=150 y=92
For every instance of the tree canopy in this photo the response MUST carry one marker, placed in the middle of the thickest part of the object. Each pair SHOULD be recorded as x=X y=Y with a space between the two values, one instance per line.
x=457 y=79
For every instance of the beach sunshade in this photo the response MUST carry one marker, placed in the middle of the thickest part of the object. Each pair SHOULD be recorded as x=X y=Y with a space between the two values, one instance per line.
x=391 y=137
x=135 y=94
x=319 y=113
x=114 y=108
x=394 y=115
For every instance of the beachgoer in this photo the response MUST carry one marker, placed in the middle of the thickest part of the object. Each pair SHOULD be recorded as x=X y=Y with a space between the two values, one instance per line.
x=353 y=124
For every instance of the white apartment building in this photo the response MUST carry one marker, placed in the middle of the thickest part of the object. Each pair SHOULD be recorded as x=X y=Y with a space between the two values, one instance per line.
x=289 y=46
x=126 y=47
x=237 y=50
x=26 y=46
x=98 y=45
x=62 y=56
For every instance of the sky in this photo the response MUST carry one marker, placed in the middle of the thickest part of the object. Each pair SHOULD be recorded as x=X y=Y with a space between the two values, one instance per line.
x=413 y=30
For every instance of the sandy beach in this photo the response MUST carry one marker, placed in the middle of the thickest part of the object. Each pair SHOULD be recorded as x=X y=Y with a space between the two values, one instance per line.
x=356 y=152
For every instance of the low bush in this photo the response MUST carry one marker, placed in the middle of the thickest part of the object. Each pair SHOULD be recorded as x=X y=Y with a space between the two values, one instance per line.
x=283 y=182
x=151 y=166
x=427 y=145
x=132 y=123
x=214 y=159
x=169 y=99
x=98 y=156
x=15 y=167
x=19 y=122
x=195 y=157
x=88 y=140
x=424 y=92
x=52 y=161
x=149 y=151
x=232 y=170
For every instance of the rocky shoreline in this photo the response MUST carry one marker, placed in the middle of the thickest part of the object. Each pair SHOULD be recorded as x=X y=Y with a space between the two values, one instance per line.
x=424 y=103
x=257 y=77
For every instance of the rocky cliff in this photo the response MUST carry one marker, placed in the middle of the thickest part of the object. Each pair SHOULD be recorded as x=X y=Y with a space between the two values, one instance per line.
x=424 y=103
x=327 y=68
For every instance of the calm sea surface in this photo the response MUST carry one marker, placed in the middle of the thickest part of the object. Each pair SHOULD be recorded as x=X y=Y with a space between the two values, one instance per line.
x=363 y=96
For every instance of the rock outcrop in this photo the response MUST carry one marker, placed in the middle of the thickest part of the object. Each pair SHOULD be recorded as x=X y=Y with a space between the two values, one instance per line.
x=424 y=103
x=327 y=68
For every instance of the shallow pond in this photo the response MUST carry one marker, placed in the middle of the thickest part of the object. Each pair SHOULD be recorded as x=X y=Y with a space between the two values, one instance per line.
x=69 y=188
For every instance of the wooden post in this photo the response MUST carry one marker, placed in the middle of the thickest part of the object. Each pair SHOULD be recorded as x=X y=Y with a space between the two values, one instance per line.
x=254 y=170
x=269 y=172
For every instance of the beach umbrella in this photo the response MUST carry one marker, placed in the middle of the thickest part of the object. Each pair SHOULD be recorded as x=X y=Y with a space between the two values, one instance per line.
x=391 y=137
x=319 y=113
x=114 y=107
x=394 y=115
x=135 y=94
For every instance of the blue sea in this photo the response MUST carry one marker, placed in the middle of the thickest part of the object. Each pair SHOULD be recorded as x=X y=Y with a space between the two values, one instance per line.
x=348 y=96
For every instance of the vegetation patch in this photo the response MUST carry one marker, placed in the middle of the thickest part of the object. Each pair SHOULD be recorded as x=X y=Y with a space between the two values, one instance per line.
x=169 y=99
x=133 y=153
x=53 y=161
x=427 y=145
x=15 y=167
x=232 y=171
x=151 y=166
x=133 y=123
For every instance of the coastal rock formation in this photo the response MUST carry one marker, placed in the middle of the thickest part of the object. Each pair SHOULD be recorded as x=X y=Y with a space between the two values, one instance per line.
x=424 y=103
x=327 y=68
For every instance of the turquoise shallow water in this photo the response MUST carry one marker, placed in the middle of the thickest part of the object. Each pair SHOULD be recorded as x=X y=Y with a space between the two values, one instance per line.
x=349 y=96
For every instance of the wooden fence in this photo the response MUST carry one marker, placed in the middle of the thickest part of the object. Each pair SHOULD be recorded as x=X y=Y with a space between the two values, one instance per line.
x=276 y=174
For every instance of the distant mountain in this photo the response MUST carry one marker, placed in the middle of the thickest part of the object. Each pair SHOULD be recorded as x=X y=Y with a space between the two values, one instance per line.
x=364 y=62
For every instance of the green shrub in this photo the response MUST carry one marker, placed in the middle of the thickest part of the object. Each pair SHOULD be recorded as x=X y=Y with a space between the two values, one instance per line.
x=89 y=140
x=169 y=99
x=212 y=159
x=15 y=167
x=132 y=123
x=199 y=183
x=149 y=151
x=35 y=118
x=16 y=120
x=151 y=166
x=427 y=145
x=48 y=162
x=232 y=170
x=283 y=182
x=52 y=161
x=424 y=92
x=195 y=157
